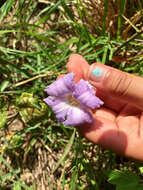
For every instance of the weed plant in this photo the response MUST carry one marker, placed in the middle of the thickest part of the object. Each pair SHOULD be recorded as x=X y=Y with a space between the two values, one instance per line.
x=36 y=39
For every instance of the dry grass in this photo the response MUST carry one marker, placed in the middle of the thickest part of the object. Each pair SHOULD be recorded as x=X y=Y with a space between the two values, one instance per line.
x=37 y=164
x=95 y=15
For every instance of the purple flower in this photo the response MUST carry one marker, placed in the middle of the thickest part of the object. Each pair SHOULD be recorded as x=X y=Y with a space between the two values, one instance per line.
x=70 y=100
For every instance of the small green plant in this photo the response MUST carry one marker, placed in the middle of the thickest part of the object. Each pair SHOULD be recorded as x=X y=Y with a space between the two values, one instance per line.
x=125 y=180
x=36 y=40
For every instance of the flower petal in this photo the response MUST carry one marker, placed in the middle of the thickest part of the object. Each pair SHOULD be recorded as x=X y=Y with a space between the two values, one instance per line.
x=51 y=100
x=92 y=89
x=84 y=94
x=59 y=106
x=62 y=86
x=68 y=114
x=77 y=116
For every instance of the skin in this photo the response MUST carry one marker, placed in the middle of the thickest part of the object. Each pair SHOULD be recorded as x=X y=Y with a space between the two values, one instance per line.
x=118 y=125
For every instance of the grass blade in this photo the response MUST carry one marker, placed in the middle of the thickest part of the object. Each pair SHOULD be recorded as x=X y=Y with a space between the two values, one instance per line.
x=53 y=8
x=67 y=149
x=5 y=9
x=120 y=18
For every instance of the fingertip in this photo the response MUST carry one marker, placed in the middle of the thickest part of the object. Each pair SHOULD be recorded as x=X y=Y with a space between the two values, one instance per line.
x=76 y=58
x=74 y=61
x=78 y=65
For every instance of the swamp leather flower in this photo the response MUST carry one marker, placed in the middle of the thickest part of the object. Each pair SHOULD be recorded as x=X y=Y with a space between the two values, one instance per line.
x=70 y=100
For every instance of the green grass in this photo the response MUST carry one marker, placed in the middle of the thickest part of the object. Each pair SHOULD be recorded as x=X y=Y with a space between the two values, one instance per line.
x=36 y=40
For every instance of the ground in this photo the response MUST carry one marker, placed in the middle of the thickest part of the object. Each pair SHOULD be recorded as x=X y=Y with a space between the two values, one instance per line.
x=36 y=40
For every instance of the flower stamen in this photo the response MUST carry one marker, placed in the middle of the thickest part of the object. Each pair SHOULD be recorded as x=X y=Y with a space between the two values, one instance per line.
x=73 y=101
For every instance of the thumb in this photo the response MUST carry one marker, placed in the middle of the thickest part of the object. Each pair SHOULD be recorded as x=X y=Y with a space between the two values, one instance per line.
x=124 y=86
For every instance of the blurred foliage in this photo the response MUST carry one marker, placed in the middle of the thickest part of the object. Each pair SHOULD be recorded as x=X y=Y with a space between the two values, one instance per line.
x=30 y=109
x=36 y=40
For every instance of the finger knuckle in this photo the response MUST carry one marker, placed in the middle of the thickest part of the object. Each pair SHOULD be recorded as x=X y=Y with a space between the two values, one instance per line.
x=120 y=84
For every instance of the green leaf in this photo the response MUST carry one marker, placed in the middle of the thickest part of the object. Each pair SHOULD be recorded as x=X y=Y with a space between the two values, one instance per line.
x=124 y=180
x=67 y=10
x=6 y=31
x=67 y=149
x=8 y=176
x=5 y=9
x=41 y=37
x=17 y=186
x=3 y=117
x=52 y=8
x=4 y=85
x=32 y=143
x=140 y=187
x=5 y=63
x=141 y=170
x=121 y=11
x=30 y=109
x=25 y=100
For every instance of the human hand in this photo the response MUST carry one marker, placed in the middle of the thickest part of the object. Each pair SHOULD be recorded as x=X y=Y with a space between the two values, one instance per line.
x=118 y=123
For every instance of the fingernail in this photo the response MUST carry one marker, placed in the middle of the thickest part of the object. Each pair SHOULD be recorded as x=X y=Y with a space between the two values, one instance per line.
x=97 y=73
